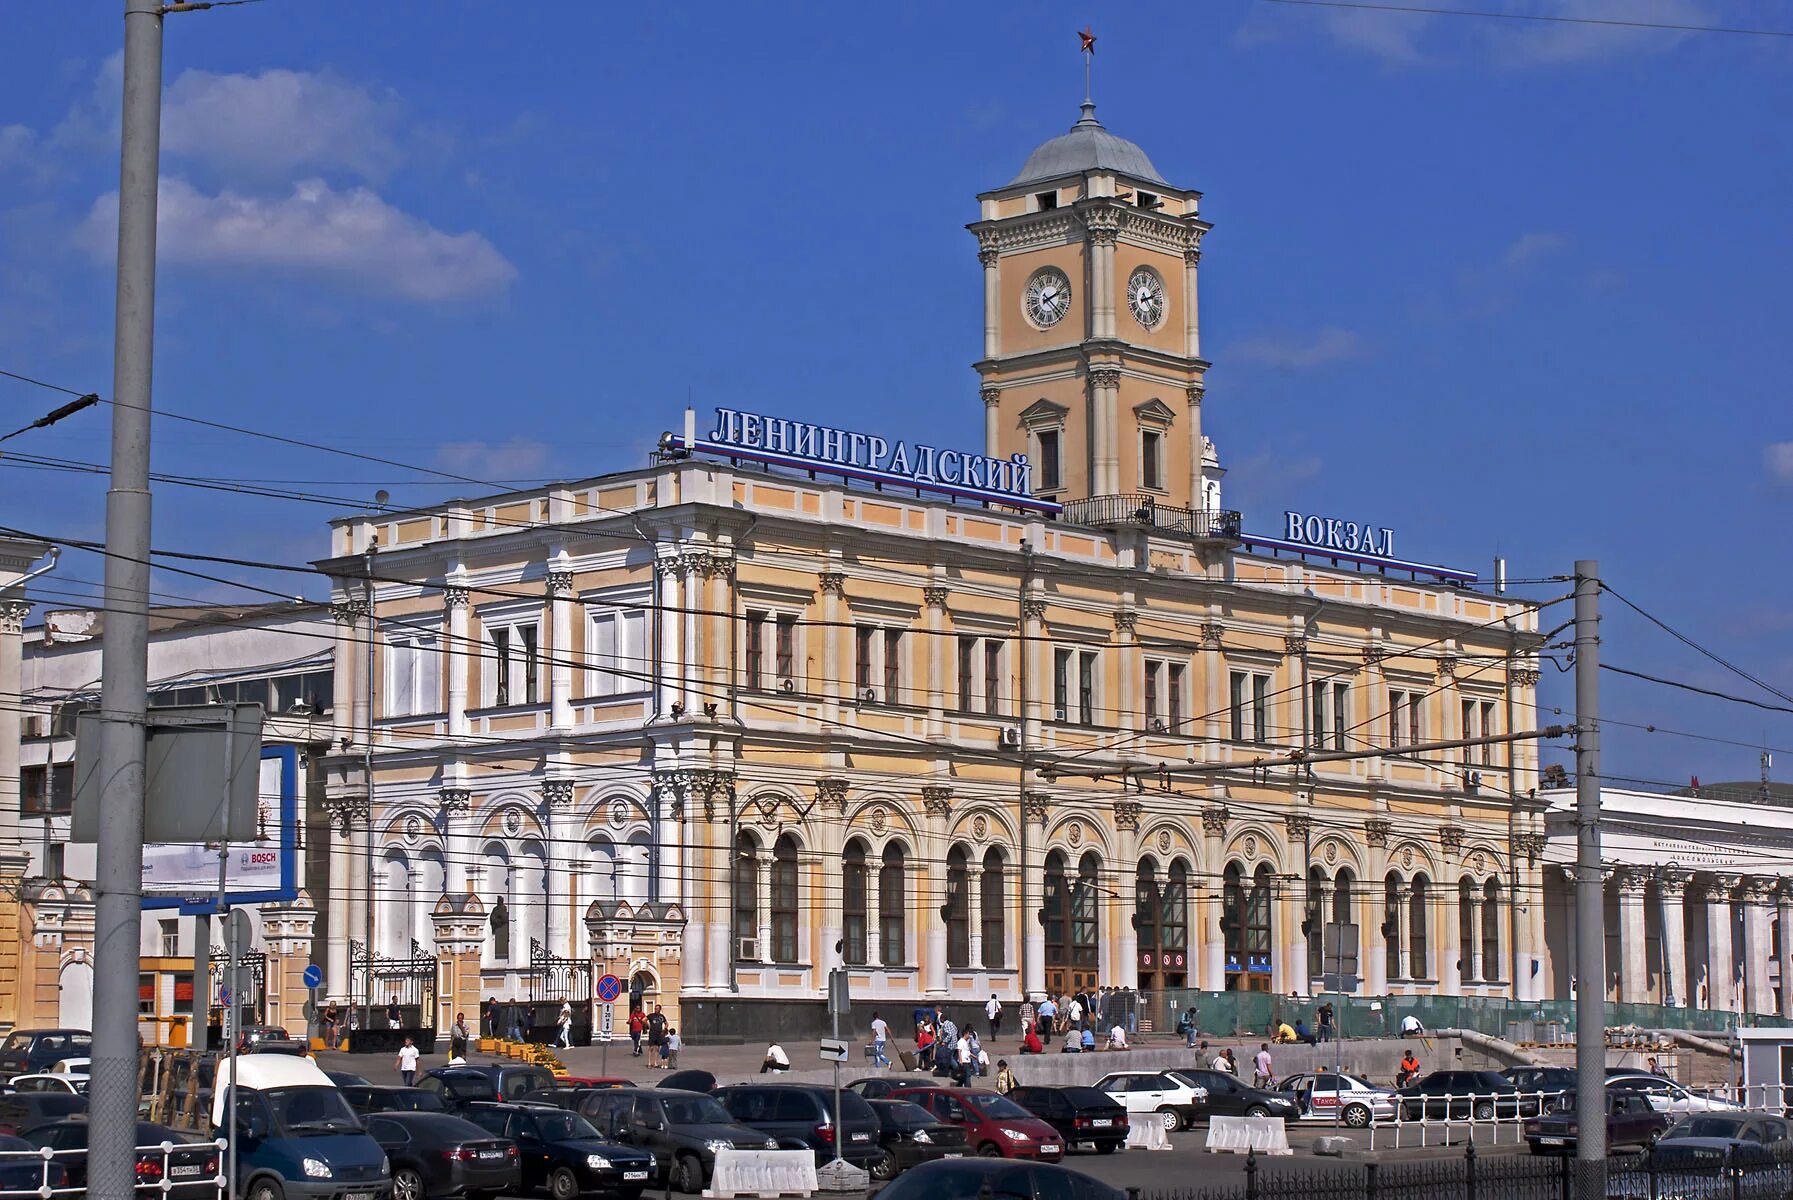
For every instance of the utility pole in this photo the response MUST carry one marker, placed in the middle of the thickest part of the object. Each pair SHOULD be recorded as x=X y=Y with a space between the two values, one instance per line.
x=1590 y=904
x=124 y=668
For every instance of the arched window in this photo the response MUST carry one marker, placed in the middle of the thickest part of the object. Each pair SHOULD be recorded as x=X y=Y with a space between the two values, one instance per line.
x=1057 y=912
x=1148 y=905
x=1313 y=923
x=1257 y=923
x=784 y=899
x=1391 y=923
x=432 y=882
x=634 y=868
x=891 y=950
x=1340 y=944
x=529 y=897
x=395 y=908
x=602 y=867
x=747 y=897
x=994 y=906
x=495 y=869
x=1174 y=929
x=1491 y=931
x=957 y=908
x=1466 y=927
x=1084 y=926
x=853 y=903
x=1232 y=923
x=1419 y=903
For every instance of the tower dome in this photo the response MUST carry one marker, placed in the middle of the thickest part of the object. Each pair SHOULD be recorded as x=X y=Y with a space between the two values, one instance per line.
x=1087 y=147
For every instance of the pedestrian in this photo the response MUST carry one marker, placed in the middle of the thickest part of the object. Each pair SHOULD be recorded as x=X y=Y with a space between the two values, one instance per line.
x=519 y=1030
x=776 y=1059
x=880 y=1041
x=1006 y=1079
x=1326 y=1032
x=977 y=1050
x=1074 y=1013
x=458 y=1036
x=670 y=1048
x=1048 y=1017
x=962 y=1060
x=488 y=1017
x=1117 y=1038
x=1409 y=1070
x=407 y=1063
x=1030 y=1041
x=1261 y=1073
x=395 y=1017
x=637 y=1026
x=656 y=1031
x=1223 y=1061
x=993 y=1013
x=1027 y=1015
x=332 y=1026
x=565 y=1025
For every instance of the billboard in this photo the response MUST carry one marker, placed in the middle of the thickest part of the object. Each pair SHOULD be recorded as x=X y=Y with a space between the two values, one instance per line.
x=264 y=871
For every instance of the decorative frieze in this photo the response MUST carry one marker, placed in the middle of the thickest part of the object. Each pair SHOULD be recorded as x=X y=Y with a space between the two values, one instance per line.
x=454 y=597
x=1450 y=838
x=831 y=583
x=1525 y=677
x=557 y=791
x=346 y=812
x=1126 y=621
x=1376 y=831
x=1127 y=814
x=1299 y=824
x=350 y=611
x=938 y=801
x=1034 y=806
x=1214 y=820
x=1033 y=610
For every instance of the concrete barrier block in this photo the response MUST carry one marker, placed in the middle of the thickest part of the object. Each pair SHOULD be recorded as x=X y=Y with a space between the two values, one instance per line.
x=762 y=1173
x=1147 y=1135
x=1237 y=1135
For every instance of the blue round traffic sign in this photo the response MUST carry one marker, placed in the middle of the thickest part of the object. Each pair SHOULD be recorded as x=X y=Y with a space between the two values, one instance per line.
x=609 y=988
x=314 y=976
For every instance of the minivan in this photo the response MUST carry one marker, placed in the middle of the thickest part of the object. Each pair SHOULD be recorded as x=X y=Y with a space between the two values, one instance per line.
x=28 y=1051
x=796 y=1112
x=296 y=1136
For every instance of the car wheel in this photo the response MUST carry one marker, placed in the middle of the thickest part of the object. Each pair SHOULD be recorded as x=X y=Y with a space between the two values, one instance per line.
x=1107 y=1147
x=1484 y=1110
x=1357 y=1116
x=883 y=1168
x=1655 y=1136
x=1257 y=1110
x=265 y=1189
x=989 y=1150
x=1168 y=1118
x=687 y=1175
x=562 y=1185
x=407 y=1184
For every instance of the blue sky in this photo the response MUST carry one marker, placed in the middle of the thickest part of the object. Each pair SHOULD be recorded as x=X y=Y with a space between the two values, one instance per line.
x=1511 y=287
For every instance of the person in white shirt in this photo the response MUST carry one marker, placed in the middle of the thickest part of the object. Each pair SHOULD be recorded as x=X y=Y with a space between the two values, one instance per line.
x=1261 y=1073
x=1117 y=1039
x=880 y=1040
x=1075 y=1012
x=1073 y=1041
x=962 y=1058
x=1411 y=1027
x=776 y=1059
x=993 y=1012
x=408 y=1054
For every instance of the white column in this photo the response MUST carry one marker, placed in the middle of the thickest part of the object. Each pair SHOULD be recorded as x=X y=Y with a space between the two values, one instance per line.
x=1131 y=669
x=936 y=802
x=670 y=568
x=1192 y=323
x=1101 y=242
x=1126 y=826
x=992 y=309
x=336 y=948
x=832 y=584
x=556 y=931
x=1632 y=968
x=992 y=418
x=1784 y=911
x=1720 y=969
x=1211 y=940
x=1031 y=866
x=764 y=933
x=560 y=623
x=1450 y=936
x=691 y=645
x=1374 y=947
x=1672 y=887
x=12 y=624
x=721 y=879
x=1757 y=997
x=974 y=916
x=1194 y=393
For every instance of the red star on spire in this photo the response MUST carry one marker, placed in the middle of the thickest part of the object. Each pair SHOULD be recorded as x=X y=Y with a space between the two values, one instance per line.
x=1089 y=40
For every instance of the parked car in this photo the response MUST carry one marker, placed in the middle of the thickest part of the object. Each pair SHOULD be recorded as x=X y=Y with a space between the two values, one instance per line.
x=1230 y=1098
x=563 y=1154
x=471 y=1082
x=28 y=1110
x=682 y=1130
x=68 y=1085
x=297 y=1138
x=879 y=1087
x=1549 y=1084
x=1347 y=1099
x=994 y=1125
x=910 y=1135
x=28 y=1050
x=967 y=1179
x=254 y=1035
x=1665 y=1095
x=1710 y=1140
x=596 y=1081
x=1081 y=1115
x=346 y=1078
x=438 y=1154
x=1164 y=1097
x=691 y=1080
x=796 y=1112
x=21 y=1174
x=367 y=1098
x=1457 y=1095
x=190 y=1169
x=568 y=1096
x=72 y=1066
x=1630 y=1121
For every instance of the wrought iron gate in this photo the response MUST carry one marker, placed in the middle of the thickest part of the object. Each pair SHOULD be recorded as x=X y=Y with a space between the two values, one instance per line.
x=408 y=982
x=252 y=969
x=554 y=981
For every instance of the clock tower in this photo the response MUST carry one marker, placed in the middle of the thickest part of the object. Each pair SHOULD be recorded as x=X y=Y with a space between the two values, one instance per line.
x=1092 y=361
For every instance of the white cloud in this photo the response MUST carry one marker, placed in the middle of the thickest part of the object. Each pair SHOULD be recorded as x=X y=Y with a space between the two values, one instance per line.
x=1552 y=43
x=351 y=237
x=279 y=123
x=18 y=146
x=1529 y=248
x=1329 y=345
x=518 y=458
x=1778 y=458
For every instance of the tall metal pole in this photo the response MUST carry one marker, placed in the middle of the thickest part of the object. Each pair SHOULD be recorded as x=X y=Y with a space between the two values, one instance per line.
x=124 y=668
x=1590 y=905
x=367 y=771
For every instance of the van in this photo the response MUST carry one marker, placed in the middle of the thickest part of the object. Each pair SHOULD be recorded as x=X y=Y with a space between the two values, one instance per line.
x=295 y=1134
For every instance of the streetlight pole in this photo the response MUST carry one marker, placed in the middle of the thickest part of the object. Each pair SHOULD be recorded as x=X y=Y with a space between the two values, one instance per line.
x=1590 y=905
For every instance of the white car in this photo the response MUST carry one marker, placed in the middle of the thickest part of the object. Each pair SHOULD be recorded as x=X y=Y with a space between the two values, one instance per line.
x=1329 y=1096
x=68 y=1085
x=1171 y=1102
x=1665 y=1095
x=72 y=1066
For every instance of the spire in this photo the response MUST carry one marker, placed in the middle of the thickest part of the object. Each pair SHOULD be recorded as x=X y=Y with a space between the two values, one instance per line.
x=1088 y=40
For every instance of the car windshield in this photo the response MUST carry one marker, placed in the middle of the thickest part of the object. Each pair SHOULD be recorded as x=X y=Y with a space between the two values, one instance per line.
x=997 y=1108
x=1088 y=1097
x=417 y=1100
x=1706 y=1127
x=564 y=1126
x=18 y=1041
x=696 y=1110
x=302 y=1110
x=904 y=1114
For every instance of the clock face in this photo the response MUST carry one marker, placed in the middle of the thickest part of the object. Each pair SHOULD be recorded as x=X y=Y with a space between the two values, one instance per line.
x=1048 y=297
x=1145 y=298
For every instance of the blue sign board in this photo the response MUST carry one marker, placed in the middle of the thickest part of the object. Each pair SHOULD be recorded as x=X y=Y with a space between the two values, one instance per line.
x=314 y=976
x=1347 y=541
x=779 y=441
x=609 y=988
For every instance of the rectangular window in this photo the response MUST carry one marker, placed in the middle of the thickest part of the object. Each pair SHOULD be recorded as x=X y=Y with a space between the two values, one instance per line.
x=512 y=663
x=618 y=653
x=1240 y=682
x=146 y=994
x=170 y=936
x=1061 y=685
x=1488 y=730
x=1154 y=719
x=1341 y=715
x=1086 y=688
x=1151 y=460
x=1328 y=727
x=787 y=648
x=992 y=676
x=1046 y=201
x=862 y=661
x=756 y=650
x=34 y=791
x=967 y=659
x=413 y=676
x=1415 y=713
x=893 y=666
x=1174 y=710
x=1405 y=710
x=1260 y=708
x=1049 y=465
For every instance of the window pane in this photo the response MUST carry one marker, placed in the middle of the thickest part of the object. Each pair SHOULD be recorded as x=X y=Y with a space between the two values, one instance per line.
x=992 y=676
x=893 y=666
x=967 y=655
x=890 y=907
x=993 y=901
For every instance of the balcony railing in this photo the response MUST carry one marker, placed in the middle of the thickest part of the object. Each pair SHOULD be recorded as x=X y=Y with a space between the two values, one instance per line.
x=1112 y=512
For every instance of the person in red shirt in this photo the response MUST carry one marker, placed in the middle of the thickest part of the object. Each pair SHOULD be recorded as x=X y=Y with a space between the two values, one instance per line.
x=924 y=1046
x=637 y=1024
x=1030 y=1042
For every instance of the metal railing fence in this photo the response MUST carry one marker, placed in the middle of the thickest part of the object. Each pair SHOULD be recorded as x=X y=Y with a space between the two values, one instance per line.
x=179 y=1170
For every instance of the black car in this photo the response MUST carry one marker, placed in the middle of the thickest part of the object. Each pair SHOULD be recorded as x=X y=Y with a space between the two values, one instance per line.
x=367 y=1098
x=27 y=1110
x=1630 y=1121
x=563 y=1153
x=682 y=1130
x=459 y=1087
x=1549 y=1085
x=346 y=1078
x=879 y=1087
x=1230 y=1098
x=1080 y=1114
x=804 y=1113
x=190 y=1168
x=28 y=1051
x=21 y=1174
x=1478 y=1095
x=911 y=1135
x=567 y=1095
x=502 y=1081
x=1007 y=1179
x=437 y=1154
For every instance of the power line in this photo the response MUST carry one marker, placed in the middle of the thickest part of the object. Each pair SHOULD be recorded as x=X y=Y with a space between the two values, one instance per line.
x=1689 y=687
x=1726 y=663
x=1539 y=17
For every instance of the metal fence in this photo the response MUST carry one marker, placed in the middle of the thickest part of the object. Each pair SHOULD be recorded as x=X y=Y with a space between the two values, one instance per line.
x=188 y=1170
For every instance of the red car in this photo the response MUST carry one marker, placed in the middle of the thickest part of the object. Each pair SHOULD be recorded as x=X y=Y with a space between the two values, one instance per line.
x=597 y=1081
x=995 y=1126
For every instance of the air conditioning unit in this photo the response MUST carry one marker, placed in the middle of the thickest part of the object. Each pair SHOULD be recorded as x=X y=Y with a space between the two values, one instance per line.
x=787 y=686
x=869 y=696
x=1010 y=738
x=1158 y=725
x=747 y=950
x=1058 y=714
x=1473 y=781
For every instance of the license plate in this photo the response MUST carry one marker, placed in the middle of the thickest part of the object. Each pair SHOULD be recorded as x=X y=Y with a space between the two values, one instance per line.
x=183 y=1172
x=1050 y=1149
x=1550 y=1141
x=359 y=1196
x=631 y=1176
x=490 y=1155
x=862 y=1137
x=954 y=1154
x=1102 y=1123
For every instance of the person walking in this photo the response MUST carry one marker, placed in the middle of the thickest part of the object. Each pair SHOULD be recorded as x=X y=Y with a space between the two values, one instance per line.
x=488 y=1017
x=519 y=1031
x=1262 y=1074
x=564 y=1024
x=776 y=1060
x=993 y=1014
x=669 y=1049
x=395 y=1017
x=1006 y=1080
x=458 y=1036
x=332 y=1026
x=656 y=1031
x=408 y=1054
x=880 y=1041
x=637 y=1026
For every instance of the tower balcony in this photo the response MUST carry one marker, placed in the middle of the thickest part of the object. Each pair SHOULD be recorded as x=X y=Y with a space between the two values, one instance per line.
x=1139 y=509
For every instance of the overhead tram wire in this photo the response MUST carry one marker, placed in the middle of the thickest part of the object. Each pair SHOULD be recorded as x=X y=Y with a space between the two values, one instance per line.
x=1695 y=688
x=1685 y=640
x=1550 y=18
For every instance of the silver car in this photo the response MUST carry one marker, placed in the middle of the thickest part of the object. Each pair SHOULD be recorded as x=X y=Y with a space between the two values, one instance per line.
x=1334 y=1097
